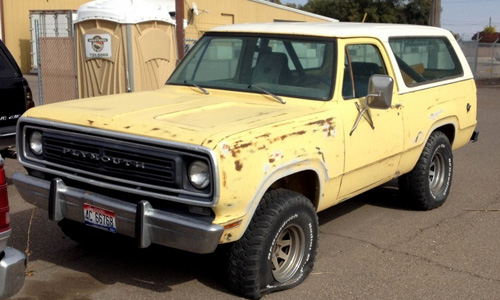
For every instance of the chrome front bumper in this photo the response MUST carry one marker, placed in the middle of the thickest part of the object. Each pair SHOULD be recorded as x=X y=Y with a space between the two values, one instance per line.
x=140 y=221
x=12 y=272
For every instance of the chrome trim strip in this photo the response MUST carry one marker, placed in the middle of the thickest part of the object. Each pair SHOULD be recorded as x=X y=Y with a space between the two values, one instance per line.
x=5 y=135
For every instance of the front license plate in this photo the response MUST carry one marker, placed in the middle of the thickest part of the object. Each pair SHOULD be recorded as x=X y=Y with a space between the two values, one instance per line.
x=99 y=217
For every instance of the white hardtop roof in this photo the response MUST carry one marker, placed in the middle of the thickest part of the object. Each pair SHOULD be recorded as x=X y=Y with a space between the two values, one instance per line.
x=337 y=29
x=124 y=11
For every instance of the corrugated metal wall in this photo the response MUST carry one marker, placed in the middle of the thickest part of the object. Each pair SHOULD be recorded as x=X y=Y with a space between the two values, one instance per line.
x=16 y=19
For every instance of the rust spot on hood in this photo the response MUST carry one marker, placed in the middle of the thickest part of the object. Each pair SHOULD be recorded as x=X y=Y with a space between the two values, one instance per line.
x=90 y=122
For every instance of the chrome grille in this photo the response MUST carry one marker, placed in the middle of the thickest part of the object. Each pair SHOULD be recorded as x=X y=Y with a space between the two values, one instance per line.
x=112 y=159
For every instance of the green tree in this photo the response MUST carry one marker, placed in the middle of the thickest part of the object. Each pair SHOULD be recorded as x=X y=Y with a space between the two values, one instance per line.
x=376 y=11
x=417 y=12
x=343 y=10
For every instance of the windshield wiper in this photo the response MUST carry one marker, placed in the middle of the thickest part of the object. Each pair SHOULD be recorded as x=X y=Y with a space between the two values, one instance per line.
x=268 y=93
x=197 y=86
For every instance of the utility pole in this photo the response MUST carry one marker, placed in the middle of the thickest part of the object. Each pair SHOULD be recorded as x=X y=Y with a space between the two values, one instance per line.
x=179 y=27
x=435 y=14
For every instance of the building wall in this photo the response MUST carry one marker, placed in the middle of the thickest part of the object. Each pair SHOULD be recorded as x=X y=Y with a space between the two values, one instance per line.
x=16 y=24
x=214 y=13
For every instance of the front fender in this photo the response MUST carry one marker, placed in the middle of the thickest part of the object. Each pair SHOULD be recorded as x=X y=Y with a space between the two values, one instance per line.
x=236 y=227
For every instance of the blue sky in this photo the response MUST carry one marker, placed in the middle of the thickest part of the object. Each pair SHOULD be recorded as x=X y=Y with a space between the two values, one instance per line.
x=464 y=17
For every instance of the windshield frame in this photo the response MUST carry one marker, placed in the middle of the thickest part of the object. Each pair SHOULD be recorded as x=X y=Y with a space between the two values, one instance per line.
x=328 y=67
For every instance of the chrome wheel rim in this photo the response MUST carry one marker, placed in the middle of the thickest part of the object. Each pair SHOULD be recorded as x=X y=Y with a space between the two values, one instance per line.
x=437 y=173
x=288 y=253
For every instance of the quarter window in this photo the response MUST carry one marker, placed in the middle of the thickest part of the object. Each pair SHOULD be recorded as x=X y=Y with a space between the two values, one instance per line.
x=425 y=59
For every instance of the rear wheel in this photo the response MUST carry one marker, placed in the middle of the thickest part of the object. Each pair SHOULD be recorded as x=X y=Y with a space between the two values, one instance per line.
x=278 y=249
x=427 y=186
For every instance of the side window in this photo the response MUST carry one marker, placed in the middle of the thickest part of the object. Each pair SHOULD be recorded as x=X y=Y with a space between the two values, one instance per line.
x=425 y=59
x=362 y=61
x=6 y=68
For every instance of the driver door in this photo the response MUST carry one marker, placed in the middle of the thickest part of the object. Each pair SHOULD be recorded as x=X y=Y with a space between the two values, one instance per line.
x=373 y=148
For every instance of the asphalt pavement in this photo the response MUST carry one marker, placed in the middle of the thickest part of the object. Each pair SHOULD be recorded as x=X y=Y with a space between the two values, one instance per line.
x=370 y=247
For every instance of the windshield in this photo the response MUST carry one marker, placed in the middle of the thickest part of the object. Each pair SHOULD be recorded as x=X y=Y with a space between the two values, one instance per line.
x=285 y=66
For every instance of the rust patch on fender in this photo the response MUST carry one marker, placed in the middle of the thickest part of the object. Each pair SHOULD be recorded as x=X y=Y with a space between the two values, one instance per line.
x=275 y=156
x=321 y=153
x=90 y=122
x=320 y=122
x=283 y=137
x=242 y=146
x=238 y=165
x=235 y=152
x=328 y=126
x=265 y=135
x=224 y=150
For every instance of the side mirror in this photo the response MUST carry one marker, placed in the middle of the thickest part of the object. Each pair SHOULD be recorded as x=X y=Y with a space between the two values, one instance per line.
x=380 y=89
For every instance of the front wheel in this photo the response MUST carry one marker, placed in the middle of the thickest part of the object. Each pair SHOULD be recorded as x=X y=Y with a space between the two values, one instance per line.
x=279 y=247
x=427 y=186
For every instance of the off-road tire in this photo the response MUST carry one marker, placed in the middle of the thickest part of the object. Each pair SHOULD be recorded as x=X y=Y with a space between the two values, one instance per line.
x=279 y=247
x=427 y=186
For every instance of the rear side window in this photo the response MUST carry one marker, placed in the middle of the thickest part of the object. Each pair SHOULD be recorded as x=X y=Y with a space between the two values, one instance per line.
x=6 y=68
x=425 y=59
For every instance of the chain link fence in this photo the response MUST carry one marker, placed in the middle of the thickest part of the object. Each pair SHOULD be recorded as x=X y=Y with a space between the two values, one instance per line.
x=483 y=58
x=57 y=70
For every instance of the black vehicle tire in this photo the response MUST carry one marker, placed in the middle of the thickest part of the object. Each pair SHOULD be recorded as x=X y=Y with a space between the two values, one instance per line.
x=279 y=247
x=427 y=186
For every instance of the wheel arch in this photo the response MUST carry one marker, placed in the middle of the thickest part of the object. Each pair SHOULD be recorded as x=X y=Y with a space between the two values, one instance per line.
x=304 y=177
x=305 y=182
x=448 y=129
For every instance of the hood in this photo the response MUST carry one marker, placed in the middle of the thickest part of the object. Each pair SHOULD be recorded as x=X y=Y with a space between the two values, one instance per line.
x=177 y=113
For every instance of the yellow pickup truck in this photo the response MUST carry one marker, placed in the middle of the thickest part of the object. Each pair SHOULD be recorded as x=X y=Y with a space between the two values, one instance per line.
x=260 y=127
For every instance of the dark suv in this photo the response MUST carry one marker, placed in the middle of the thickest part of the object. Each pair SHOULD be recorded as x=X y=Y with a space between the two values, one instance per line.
x=15 y=99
